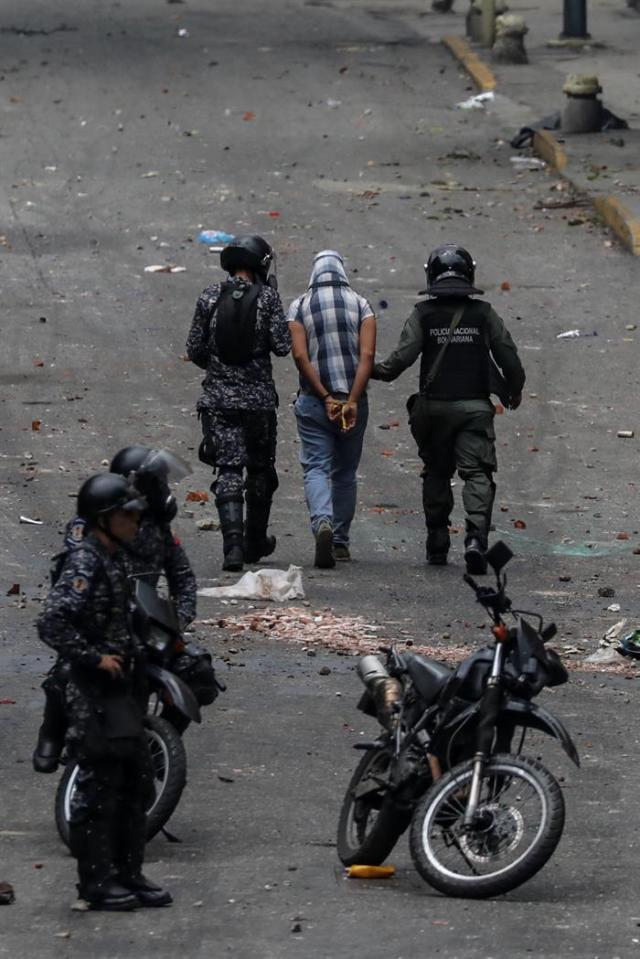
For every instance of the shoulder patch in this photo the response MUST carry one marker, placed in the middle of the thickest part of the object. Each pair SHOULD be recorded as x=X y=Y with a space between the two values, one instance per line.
x=79 y=584
x=77 y=531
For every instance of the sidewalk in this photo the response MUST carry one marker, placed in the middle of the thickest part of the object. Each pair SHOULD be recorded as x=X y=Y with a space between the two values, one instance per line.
x=605 y=166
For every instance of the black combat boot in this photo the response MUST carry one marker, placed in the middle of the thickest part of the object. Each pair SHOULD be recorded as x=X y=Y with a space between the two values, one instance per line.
x=147 y=893
x=90 y=843
x=438 y=543
x=129 y=859
x=231 y=526
x=256 y=541
x=46 y=755
x=474 y=555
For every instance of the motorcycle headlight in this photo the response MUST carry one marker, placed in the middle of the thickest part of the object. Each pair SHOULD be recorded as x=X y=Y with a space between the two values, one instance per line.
x=158 y=640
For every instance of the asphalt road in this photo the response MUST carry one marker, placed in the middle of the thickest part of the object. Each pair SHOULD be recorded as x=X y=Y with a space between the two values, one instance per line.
x=120 y=140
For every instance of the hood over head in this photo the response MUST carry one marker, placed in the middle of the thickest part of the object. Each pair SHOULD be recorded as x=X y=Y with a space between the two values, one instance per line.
x=328 y=268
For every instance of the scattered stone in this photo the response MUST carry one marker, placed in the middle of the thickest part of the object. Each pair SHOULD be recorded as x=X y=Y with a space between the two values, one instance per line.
x=606 y=591
x=324 y=671
x=7 y=895
x=208 y=524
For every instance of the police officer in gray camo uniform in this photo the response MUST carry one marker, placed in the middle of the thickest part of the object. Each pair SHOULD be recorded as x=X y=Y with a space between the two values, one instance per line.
x=153 y=551
x=86 y=620
x=236 y=326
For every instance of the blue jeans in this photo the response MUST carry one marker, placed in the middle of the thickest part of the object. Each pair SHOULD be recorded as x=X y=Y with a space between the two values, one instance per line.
x=329 y=459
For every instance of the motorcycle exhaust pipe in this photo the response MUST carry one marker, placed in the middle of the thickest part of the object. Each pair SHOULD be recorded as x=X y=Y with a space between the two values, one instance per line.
x=385 y=691
x=371 y=671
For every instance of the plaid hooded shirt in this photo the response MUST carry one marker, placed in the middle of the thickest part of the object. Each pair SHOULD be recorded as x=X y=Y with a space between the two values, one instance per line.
x=332 y=314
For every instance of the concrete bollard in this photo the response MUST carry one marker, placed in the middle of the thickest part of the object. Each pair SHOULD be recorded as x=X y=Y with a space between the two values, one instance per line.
x=509 y=45
x=582 y=111
x=475 y=30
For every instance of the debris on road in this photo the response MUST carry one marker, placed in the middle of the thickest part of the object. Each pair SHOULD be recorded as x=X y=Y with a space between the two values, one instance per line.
x=208 y=524
x=528 y=163
x=477 y=102
x=214 y=236
x=31 y=522
x=573 y=334
x=164 y=268
x=197 y=496
x=606 y=592
x=625 y=434
x=7 y=895
x=278 y=585
x=370 y=872
x=606 y=651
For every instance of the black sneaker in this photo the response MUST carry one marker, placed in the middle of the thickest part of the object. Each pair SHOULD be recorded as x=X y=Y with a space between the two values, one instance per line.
x=341 y=552
x=324 y=558
x=474 y=557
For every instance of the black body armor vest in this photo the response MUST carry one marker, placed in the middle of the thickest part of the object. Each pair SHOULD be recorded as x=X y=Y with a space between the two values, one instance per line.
x=236 y=316
x=464 y=370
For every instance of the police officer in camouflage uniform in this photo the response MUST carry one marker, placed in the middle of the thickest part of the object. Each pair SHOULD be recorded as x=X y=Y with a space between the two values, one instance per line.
x=460 y=340
x=236 y=326
x=86 y=620
x=153 y=551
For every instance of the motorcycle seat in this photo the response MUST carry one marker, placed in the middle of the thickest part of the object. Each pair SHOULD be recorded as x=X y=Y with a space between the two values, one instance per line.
x=428 y=676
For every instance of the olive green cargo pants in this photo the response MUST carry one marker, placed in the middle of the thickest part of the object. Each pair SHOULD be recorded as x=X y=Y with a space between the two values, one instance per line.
x=455 y=435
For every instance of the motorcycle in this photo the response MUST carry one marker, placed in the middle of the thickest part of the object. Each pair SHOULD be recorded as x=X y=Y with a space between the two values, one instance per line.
x=180 y=678
x=483 y=817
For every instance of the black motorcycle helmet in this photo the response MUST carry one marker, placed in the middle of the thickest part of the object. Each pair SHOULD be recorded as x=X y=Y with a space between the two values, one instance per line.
x=142 y=468
x=450 y=271
x=248 y=252
x=103 y=494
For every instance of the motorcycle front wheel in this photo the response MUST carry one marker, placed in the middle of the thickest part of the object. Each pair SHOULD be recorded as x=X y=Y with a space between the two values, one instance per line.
x=517 y=826
x=370 y=824
x=169 y=761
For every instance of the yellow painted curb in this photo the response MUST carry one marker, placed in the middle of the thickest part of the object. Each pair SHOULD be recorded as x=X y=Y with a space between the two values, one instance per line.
x=621 y=219
x=549 y=149
x=477 y=70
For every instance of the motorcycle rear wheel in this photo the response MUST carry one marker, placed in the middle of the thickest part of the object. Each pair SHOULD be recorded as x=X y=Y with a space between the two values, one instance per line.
x=169 y=761
x=519 y=823
x=370 y=823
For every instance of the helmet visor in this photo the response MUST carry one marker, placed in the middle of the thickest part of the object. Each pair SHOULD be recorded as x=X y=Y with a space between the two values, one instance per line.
x=164 y=465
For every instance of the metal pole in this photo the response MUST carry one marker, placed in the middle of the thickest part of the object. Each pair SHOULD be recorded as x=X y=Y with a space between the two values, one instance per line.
x=574 y=23
x=488 y=25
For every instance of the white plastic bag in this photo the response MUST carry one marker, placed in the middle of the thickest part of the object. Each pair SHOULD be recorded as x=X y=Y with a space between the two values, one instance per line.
x=278 y=585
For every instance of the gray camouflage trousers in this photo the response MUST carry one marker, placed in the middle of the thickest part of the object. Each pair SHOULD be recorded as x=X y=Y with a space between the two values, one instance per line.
x=239 y=441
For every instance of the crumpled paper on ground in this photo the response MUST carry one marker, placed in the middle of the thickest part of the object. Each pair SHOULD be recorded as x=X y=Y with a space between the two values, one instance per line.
x=278 y=585
x=606 y=651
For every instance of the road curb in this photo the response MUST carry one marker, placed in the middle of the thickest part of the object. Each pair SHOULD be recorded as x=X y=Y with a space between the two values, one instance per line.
x=550 y=150
x=617 y=214
x=479 y=72
x=622 y=220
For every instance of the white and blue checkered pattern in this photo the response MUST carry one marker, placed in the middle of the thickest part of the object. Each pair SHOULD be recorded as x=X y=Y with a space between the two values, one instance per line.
x=331 y=313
